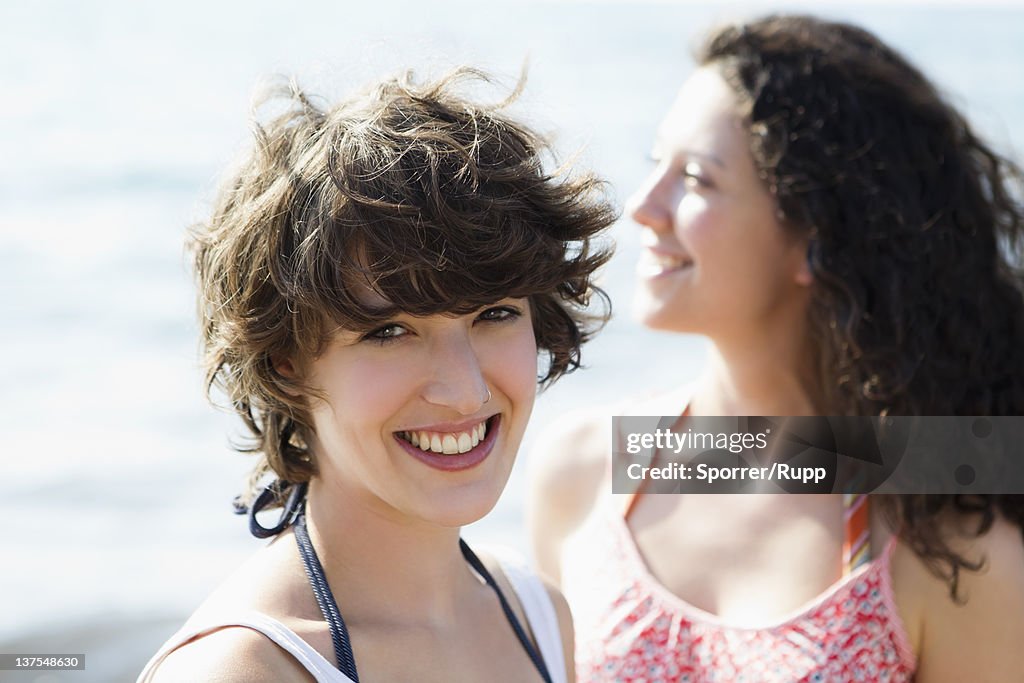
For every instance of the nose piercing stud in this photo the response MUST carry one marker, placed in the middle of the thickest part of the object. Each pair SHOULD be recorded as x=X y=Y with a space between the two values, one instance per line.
x=488 y=399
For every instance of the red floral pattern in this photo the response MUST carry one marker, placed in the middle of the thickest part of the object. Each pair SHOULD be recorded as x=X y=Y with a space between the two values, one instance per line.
x=630 y=630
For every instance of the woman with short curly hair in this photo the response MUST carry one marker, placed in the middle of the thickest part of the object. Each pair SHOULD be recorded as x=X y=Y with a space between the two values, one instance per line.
x=376 y=282
x=850 y=247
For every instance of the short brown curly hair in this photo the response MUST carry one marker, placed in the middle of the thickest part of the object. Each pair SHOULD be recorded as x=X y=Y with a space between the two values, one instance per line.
x=433 y=202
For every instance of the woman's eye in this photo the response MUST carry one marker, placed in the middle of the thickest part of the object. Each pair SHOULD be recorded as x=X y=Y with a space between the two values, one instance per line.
x=693 y=175
x=500 y=314
x=386 y=333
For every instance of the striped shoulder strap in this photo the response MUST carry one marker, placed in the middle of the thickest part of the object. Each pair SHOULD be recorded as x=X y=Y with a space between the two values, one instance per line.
x=857 y=531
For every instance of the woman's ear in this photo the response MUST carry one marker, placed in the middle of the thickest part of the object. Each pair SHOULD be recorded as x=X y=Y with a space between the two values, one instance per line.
x=284 y=367
x=804 y=275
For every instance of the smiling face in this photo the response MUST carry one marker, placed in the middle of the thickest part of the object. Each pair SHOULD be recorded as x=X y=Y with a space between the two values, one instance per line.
x=422 y=417
x=715 y=261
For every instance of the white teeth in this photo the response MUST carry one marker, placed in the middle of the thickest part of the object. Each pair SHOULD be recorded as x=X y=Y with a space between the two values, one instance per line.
x=447 y=443
x=666 y=261
x=654 y=263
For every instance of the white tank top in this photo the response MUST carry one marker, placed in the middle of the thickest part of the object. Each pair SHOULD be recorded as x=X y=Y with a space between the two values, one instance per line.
x=540 y=614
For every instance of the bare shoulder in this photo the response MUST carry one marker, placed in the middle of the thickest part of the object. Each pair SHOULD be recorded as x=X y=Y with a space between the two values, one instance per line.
x=570 y=468
x=571 y=456
x=230 y=655
x=567 y=468
x=979 y=637
x=270 y=582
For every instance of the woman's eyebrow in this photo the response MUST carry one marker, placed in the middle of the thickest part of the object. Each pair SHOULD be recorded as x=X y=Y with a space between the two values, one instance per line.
x=702 y=156
x=658 y=150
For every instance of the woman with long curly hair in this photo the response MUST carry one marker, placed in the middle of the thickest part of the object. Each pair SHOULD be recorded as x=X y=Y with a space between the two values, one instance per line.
x=376 y=282
x=850 y=247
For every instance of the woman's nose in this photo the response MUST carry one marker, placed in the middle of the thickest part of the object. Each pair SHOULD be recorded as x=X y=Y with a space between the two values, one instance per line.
x=457 y=380
x=650 y=205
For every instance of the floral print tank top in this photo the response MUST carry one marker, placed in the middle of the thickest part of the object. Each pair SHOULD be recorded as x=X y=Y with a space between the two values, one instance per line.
x=630 y=628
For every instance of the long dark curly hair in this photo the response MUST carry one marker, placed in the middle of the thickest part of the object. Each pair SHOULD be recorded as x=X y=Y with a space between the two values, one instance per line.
x=916 y=229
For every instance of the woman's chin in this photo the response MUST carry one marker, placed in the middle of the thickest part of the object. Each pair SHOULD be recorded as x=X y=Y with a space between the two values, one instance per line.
x=657 y=314
x=462 y=508
x=459 y=518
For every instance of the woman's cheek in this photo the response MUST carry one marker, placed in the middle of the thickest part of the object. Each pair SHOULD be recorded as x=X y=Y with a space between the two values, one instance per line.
x=512 y=360
x=377 y=385
x=703 y=242
x=695 y=218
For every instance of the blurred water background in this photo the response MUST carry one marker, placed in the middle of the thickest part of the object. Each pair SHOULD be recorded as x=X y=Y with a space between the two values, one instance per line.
x=117 y=118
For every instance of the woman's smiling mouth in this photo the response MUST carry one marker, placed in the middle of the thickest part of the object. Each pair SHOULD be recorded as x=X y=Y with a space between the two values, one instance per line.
x=448 y=443
x=457 y=449
x=654 y=263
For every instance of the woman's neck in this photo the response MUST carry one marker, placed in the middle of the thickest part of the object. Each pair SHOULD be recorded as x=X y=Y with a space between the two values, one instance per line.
x=384 y=565
x=766 y=377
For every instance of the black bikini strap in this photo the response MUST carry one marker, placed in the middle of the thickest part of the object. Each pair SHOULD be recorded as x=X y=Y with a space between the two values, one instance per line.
x=294 y=514
x=324 y=598
x=480 y=569
x=268 y=495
